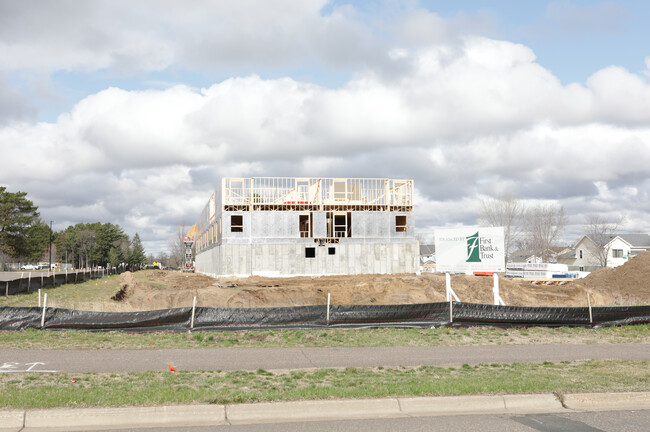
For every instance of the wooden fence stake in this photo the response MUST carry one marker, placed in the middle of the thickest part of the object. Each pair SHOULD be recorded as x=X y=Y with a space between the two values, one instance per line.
x=328 y=308
x=451 y=311
x=591 y=319
x=193 y=311
x=44 y=307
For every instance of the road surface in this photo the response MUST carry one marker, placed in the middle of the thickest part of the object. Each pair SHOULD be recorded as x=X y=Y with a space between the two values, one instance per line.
x=600 y=421
x=79 y=361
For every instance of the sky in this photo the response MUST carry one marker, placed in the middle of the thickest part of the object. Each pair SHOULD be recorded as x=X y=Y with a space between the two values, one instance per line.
x=130 y=112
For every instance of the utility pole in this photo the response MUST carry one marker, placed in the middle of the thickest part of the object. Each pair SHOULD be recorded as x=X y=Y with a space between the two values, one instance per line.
x=50 y=269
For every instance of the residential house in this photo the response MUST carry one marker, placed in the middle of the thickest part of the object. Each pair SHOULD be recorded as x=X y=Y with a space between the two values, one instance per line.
x=586 y=256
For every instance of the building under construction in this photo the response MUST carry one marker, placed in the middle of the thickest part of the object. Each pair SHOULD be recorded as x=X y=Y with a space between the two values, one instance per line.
x=308 y=226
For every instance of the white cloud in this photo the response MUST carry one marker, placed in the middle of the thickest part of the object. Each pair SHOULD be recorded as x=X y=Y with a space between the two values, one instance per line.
x=155 y=34
x=467 y=119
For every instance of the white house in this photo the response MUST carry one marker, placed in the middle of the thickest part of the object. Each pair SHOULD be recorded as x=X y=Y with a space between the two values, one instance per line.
x=585 y=255
x=625 y=246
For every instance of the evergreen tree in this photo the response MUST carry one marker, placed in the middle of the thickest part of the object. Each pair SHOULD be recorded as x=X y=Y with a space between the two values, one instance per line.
x=107 y=237
x=37 y=241
x=137 y=255
x=115 y=257
x=17 y=215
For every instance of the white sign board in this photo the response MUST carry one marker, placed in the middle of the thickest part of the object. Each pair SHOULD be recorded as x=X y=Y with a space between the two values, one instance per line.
x=470 y=249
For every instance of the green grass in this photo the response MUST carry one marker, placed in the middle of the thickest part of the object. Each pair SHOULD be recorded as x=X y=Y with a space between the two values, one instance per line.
x=156 y=388
x=37 y=339
x=71 y=296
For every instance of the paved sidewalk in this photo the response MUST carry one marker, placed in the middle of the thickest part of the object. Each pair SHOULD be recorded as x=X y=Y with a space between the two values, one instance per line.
x=280 y=412
x=80 y=361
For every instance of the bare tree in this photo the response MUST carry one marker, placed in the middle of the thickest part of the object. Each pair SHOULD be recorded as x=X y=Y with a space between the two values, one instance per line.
x=544 y=226
x=601 y=231
x=163 y=259
x=504 y=211
x=177 y=247
x=86 y=241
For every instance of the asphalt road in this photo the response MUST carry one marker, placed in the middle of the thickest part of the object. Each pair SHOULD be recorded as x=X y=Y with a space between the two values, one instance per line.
x=79 y=361
x=600 y=421
x=9 y=276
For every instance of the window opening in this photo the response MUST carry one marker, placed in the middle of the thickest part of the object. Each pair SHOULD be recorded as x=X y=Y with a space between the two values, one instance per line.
x=400 y=223
x=339 y=224
x=236 y=223
x=339 y=191
x=331 y=251
x=617 y=253
x=304 y=226
x=303 y=192
x=310 y=252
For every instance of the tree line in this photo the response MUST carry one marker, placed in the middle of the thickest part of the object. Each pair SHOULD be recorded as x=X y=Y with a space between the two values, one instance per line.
x=538 y=228
x=25 y=236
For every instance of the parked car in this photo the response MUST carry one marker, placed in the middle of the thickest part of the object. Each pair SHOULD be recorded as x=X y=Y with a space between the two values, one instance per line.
x=29 y=267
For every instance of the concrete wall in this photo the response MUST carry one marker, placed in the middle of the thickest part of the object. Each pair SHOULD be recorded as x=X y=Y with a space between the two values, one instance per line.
x=290 y=259
x=270 y=244
x=264 y=226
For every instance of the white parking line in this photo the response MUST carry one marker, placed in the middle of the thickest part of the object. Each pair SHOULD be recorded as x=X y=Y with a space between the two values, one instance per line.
x=15 y=367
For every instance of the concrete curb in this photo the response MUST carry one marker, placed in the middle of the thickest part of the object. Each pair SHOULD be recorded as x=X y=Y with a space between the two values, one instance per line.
x=206 y=415
x=12 y=420
x=312 y=410
x=88 y=418
x=607 y=401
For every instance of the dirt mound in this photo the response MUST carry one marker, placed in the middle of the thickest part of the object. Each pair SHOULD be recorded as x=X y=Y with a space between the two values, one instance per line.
x=625 y=285
x=628 y=284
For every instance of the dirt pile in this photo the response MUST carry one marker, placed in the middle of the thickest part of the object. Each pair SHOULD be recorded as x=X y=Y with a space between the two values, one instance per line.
x=625 y=285
x=628 y=284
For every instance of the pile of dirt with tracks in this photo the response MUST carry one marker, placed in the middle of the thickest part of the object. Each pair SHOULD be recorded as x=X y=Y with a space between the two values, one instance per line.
x=625 y=285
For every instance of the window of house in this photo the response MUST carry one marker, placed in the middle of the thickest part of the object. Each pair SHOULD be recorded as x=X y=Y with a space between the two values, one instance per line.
x=580 y=253
x=400 y=223
x=310 y=252
x=617 y=253
x=331 y=251
x=236 y=223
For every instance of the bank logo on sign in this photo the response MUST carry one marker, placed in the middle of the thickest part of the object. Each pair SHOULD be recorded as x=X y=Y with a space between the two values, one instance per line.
x=473 y=249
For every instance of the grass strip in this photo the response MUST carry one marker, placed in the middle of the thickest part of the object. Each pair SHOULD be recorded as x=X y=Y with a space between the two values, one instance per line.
x=31 y=390
x=70 y=296
x=37 y=339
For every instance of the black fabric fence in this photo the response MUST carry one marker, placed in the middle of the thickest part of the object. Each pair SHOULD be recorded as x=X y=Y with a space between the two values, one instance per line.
x=425 y=315
x=33 y=281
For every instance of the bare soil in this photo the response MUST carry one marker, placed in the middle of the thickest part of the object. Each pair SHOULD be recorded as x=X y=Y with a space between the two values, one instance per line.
x=625 y=285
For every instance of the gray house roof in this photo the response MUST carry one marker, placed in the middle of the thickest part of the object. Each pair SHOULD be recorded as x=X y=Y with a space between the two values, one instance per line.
x=568 y=254
x=636 y=240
